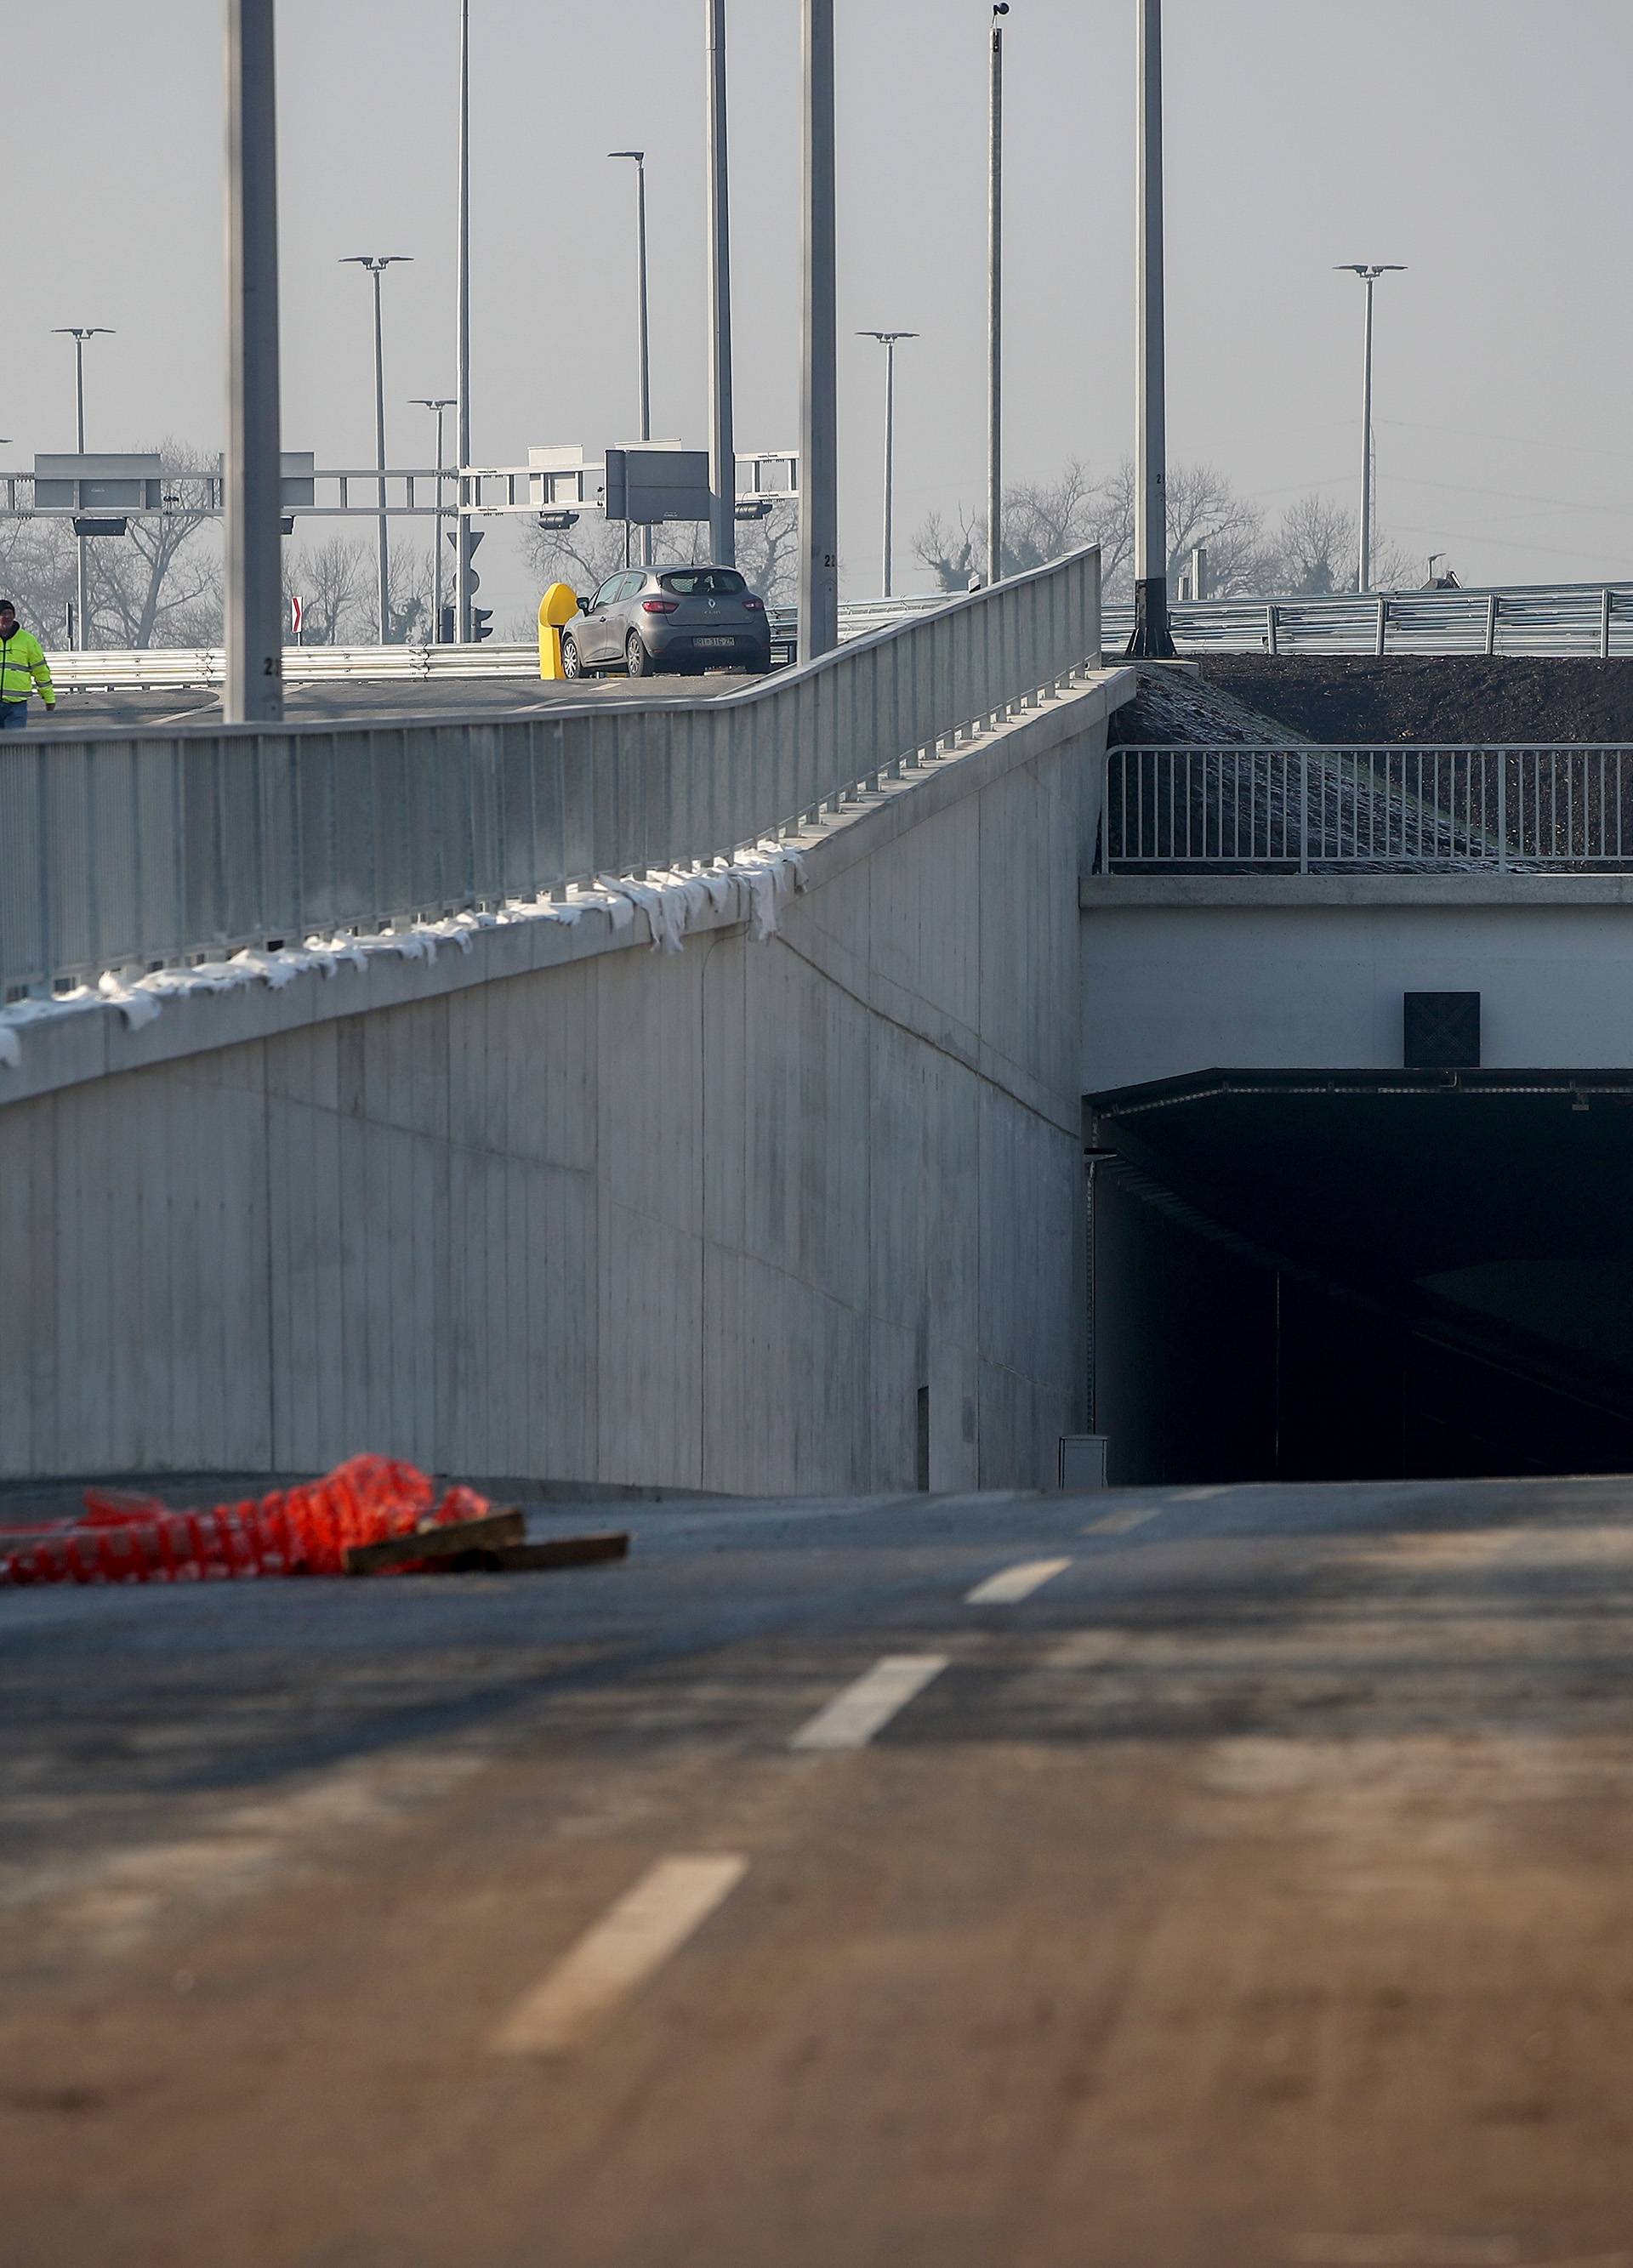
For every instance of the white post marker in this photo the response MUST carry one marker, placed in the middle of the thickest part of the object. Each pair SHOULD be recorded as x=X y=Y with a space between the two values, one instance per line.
x=1016 y=1583
x=851 y=1718
x=610 y=1961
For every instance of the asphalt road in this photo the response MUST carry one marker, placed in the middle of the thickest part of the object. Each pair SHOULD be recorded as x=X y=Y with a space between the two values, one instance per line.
x=77 y=714
x=1240 y=1878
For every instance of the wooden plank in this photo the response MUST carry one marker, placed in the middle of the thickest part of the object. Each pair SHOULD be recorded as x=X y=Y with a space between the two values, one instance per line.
x=537 y=1559
x=496 y=1530
x=567 y=1551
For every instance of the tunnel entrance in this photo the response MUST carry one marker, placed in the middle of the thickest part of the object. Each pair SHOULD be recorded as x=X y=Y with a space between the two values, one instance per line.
x=1352 y=1274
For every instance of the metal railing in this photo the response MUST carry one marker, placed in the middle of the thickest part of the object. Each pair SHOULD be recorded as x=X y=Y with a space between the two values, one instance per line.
x=146 y=849
x=181 y=669
x=1315 y=810
x=178 y=669
x=1538 y=618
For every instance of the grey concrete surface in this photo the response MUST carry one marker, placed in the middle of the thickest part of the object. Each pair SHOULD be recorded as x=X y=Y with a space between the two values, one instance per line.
x=1250 y=1891
x=80 y=713
x=1256 y=973
x=716 y=1218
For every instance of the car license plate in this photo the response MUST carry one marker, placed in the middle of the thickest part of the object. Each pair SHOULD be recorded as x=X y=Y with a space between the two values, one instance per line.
x=715 y=641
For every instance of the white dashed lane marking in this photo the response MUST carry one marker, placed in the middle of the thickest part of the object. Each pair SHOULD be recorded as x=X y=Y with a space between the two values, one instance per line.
x=1118 y=1523
x=851 y=1718
x=1008 y=1588
x=631 y=1940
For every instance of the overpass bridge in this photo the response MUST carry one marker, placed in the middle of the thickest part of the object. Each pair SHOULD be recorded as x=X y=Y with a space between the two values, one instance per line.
x=698 y=1092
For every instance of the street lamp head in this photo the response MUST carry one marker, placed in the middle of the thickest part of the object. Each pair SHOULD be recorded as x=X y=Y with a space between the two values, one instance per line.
x=1001 y=7
x=640 y=156
x=887 y=338
x=82 y=331
x=433 y=401
x=376 y=262
x=1368 y=270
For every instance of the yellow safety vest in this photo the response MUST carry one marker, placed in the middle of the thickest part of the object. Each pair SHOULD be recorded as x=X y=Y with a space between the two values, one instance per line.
x=23 y=666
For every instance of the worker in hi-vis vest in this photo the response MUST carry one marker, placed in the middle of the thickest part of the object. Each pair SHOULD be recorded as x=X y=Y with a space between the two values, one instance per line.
x=23 y=666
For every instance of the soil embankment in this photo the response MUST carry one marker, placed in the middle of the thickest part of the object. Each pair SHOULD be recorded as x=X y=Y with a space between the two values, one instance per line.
x=1434 y=700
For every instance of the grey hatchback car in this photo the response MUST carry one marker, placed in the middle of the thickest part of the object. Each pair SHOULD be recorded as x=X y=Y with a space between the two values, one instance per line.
x=645 y=619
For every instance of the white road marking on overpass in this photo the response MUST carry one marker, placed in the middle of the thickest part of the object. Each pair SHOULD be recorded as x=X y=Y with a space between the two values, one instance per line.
x=631 y=1942
x=1200 y=1495
x=1118 y=1523
x=1014 y=1584
x=851 y=1718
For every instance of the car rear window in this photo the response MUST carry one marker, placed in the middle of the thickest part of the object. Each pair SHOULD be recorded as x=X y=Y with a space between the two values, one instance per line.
x=704 y=582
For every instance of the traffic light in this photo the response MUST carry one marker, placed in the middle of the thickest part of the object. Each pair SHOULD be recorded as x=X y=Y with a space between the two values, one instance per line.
x=466 y=580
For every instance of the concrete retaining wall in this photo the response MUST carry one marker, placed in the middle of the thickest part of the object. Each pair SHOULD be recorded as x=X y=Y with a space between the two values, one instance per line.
x=568 y=1207
x=1277 y=972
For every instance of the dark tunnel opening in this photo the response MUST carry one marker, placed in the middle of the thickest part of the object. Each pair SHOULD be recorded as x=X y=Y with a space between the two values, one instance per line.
x=1359 y=1275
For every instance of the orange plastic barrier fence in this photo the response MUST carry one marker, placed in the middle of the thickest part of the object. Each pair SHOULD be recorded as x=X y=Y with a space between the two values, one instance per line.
x=124 y=1538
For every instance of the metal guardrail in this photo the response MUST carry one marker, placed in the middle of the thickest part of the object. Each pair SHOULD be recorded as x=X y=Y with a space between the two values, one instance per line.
x=182 y=669
x=179 y=669
x=145 y=849
x=1321 y=810
x=1536 y=618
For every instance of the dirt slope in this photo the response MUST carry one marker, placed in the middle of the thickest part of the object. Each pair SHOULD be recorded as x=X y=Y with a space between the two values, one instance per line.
x=1439 y=700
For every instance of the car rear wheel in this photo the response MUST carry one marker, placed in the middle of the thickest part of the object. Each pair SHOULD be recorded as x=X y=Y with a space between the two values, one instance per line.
x=571 y=665
x=637 y=661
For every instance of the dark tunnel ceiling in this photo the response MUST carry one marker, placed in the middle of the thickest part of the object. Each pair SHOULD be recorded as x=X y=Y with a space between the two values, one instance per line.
x=1387 y=1177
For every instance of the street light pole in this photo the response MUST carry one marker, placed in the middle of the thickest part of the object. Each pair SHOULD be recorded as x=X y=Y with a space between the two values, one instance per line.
x=642 y=339
x=1151 y=634
x=254 y=690
x=889 y=341
x=722 y=443
x=375 y=265
x=463 y=593
x=439 y=404
x=995 y=303
x=1369 y=271
x=79 y=333
x=819 y=489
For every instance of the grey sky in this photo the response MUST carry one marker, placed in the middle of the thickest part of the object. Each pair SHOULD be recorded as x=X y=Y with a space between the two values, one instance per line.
x=1483 y=142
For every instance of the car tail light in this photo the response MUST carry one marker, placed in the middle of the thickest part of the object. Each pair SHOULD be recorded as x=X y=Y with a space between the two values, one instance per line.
x=660 y=606
x=752 y=606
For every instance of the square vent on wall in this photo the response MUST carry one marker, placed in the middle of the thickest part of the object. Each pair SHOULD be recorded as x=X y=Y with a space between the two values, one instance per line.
x=1443 y=1031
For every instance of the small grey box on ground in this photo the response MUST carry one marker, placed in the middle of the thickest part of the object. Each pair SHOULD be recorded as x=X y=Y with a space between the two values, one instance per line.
x=1083 y=1461
x=1443 y=1031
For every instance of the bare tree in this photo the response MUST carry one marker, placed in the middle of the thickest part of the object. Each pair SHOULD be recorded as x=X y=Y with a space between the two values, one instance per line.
x=334 y=581
x=768 y=553
x=1316 y=547
x=408 y=601
x=1043 y=520
x=161 y=583
x=1315 y=552
x=37 y=571
x=585 y=556
x=1203 y=508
